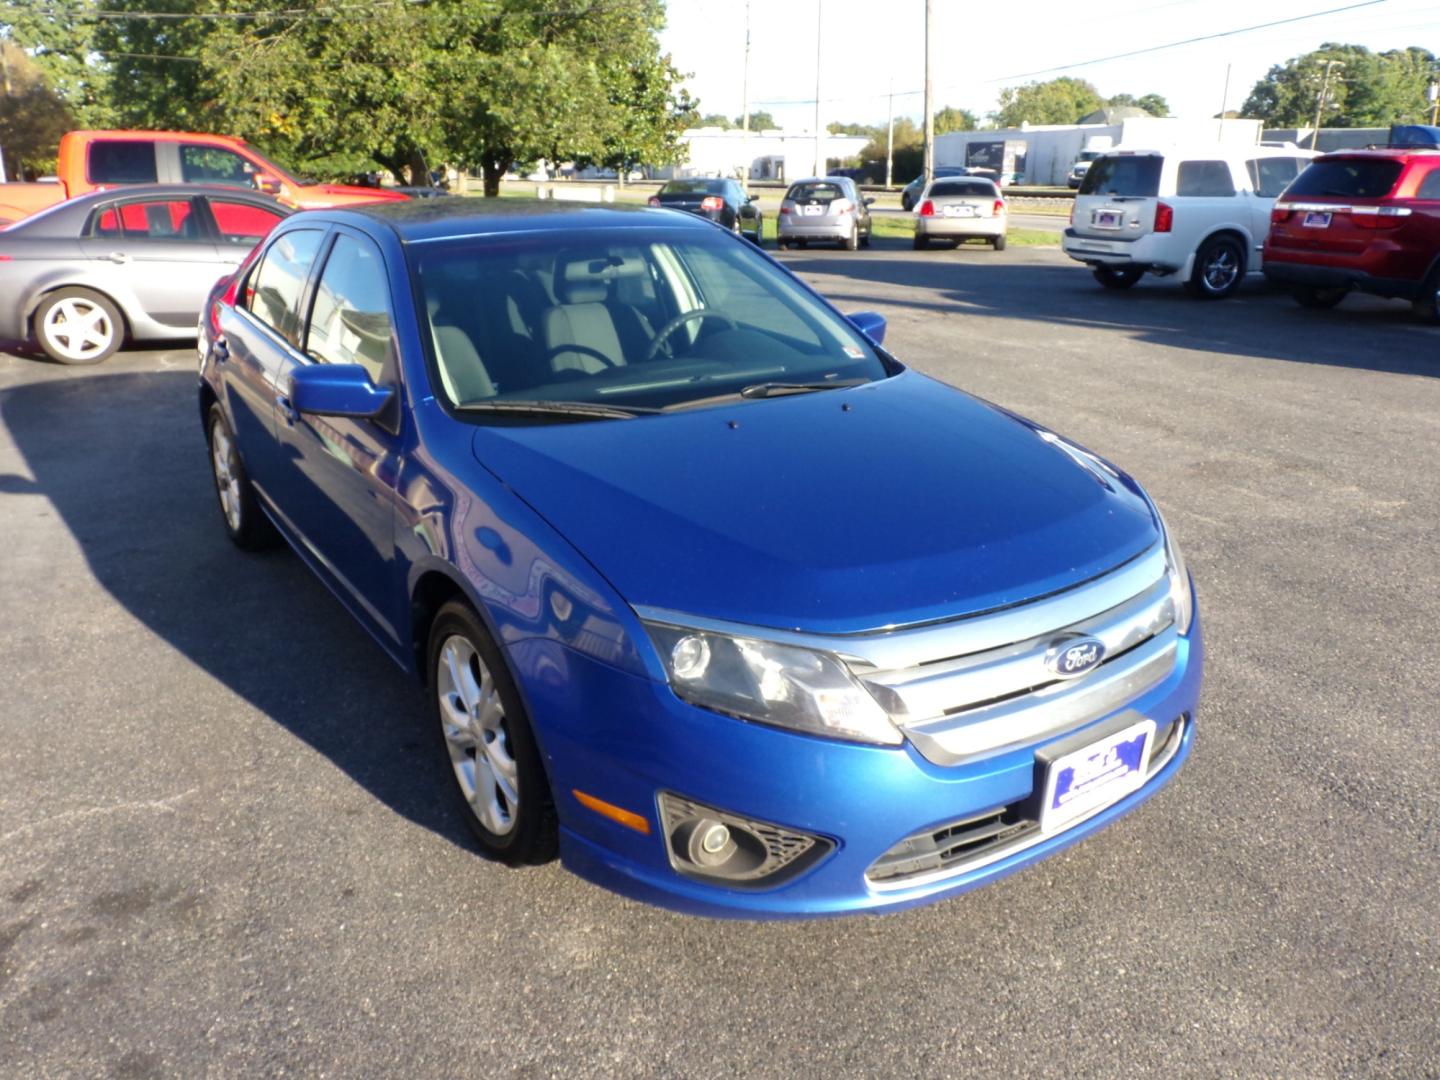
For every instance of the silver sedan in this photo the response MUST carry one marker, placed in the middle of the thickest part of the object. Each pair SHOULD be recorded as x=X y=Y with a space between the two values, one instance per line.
x=959 y=209
x=83 y=276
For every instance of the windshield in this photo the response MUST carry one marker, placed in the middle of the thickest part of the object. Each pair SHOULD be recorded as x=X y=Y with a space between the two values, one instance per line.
x=1123 y=174
x=631 y=319
x=1347 y=177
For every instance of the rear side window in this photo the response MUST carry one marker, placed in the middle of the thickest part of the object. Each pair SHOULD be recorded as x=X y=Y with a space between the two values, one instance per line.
x=814 y=193
x=273 y=291
x=1347 y=177
x=158 y=219
x=1204 y=179
x=350 y=322
x=120 y=161
x=1269 y=176
x=1124 y=174
x=962 y=189
x=1430 y=186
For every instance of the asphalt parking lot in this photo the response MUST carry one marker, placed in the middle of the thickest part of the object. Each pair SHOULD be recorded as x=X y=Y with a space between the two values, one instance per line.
x=222 y=850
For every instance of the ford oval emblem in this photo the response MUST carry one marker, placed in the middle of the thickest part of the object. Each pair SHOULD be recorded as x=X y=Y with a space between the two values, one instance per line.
x=1070 y=658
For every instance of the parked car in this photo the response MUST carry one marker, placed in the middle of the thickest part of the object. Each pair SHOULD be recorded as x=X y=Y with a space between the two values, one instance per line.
x=1367 y=220
x=100 y=160
x=824 y=208
x=1201 y=212
x=1079 y=169
x=86 y=274
x=721 y=201
x=704 y=586
x=959 y=209
x=910 y=193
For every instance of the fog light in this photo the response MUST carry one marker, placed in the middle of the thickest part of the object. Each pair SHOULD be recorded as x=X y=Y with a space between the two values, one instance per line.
x=712 y=845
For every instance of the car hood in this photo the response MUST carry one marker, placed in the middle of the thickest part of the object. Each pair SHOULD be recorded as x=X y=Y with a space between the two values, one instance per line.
x=896 y=502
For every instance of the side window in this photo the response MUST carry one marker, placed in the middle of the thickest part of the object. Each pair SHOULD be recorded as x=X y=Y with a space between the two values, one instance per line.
x=214 y=165
x=155 y=219
x=350 y=321
x=121 y=161
x=273 y=291
x=1269 y=176
x=1430 y=186
x=241 y=223
x=1204 y=178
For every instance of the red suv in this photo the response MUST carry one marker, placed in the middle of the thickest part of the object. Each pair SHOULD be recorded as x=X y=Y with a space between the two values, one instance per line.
x=1360 y=219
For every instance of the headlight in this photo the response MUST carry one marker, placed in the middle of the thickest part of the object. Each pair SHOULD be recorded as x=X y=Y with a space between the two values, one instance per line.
x=785 y=685
x=1181 y=594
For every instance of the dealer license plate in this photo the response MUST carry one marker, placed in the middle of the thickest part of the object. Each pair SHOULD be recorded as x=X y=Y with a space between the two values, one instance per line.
x=1317 y=219
x=812 y=211
x=1096 y=775
x=1107 y=219
x=959 y=211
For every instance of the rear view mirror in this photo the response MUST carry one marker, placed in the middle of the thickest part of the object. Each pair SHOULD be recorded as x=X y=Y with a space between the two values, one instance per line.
x=869 y=323
x=336 y=390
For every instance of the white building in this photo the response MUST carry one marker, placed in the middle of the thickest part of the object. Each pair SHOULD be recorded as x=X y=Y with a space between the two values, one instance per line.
x=1043 y=154
x=762 y=155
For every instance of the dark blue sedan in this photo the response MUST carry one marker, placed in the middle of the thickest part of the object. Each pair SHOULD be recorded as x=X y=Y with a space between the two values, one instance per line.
x=709 y=593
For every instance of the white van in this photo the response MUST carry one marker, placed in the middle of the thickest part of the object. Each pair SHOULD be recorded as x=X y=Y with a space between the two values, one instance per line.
x=1200 y=211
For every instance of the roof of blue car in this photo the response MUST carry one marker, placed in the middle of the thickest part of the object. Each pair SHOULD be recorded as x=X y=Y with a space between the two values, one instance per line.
x=436 y=219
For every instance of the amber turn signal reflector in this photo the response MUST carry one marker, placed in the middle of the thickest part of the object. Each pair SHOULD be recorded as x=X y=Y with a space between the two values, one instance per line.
x=614 y=813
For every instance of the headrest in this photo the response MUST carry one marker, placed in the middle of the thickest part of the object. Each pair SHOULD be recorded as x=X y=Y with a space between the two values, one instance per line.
x=584 y=278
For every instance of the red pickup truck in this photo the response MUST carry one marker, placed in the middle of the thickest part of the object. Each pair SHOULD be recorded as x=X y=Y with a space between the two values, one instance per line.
x=92 y=160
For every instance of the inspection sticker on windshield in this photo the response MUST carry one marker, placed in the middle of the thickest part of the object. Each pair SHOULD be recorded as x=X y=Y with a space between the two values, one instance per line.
x=1084 y=780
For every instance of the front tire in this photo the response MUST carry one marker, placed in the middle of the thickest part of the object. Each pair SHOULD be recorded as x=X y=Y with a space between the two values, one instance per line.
x=245 y=523
x=77 y=326
x=759 y=236
x=489 y=746
x=1219 y=268
x=1113 y=278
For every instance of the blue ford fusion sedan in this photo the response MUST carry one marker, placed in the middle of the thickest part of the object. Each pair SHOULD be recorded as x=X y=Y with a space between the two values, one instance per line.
x=709 y=593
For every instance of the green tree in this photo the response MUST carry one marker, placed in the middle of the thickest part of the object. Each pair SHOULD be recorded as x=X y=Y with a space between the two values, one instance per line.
x=759 y=121
x=716 y=120
x=1059 y=101
x=1154 y=104
x=59 y=36
x=32 y=116
x=870 y=131
x=1370 y=90
x=951 y=119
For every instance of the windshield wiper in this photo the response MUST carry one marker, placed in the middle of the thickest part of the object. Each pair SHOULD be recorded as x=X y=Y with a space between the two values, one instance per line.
x=584 y=410
x=778 y=389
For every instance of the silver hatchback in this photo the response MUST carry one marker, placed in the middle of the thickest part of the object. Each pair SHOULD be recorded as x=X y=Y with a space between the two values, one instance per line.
x=824 y=208
x=959 y=209
x=82 y=276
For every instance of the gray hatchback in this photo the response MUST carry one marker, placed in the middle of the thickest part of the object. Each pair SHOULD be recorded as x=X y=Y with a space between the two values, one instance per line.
x=82 y=276
x=825 y=208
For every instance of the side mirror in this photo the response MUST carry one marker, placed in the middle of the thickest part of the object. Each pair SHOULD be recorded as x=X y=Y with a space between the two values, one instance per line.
x=268 y=184
x=870 y=201
x=869 y=323
x=337 y=390
x=752 y=198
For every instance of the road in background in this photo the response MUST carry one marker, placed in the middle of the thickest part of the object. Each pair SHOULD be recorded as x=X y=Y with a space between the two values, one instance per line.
x=223 y=849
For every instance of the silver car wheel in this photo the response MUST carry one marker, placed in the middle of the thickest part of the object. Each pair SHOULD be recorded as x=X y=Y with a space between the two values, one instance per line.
x=78 y=329
x=1220 y=269
x=472 y=718
x=227 y=482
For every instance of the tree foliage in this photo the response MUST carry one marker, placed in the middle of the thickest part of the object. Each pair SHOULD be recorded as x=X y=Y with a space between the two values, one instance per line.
x=951 y=119
x=32 y=115
x=759 y=121
x=1370 y=90
x=58 y=35
x=1154 y=104
x=1058 y=101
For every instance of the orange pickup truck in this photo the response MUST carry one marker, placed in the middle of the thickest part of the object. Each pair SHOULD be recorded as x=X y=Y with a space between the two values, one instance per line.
x=92 y=160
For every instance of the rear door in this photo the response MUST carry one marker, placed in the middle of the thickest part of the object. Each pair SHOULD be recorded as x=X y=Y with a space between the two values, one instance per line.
x=237 y=224
x=160 y=250
x=1118 y=196
x=338 y=487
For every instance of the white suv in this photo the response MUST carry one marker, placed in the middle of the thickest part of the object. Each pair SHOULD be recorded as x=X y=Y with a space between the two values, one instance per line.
x=1198 y=211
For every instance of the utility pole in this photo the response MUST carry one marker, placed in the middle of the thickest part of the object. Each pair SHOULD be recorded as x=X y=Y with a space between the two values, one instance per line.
x=5 y=68
x=1224 y=100
x=819 y=135
x=1320 y=105
x=745 y=113
x=929 y=98
x=1432 y=94
x=890 y=138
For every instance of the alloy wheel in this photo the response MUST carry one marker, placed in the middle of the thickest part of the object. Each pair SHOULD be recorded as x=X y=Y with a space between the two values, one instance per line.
x=78 y=329
x=1220 y=270
x=477 y=735
x=227 y=480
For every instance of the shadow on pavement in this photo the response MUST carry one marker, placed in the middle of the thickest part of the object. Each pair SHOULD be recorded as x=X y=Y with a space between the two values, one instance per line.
x=1261 y=321
x=128 y=473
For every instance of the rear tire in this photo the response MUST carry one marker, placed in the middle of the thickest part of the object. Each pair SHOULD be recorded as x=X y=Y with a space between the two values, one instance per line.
x=852 y=242
x=245 y=523
x=487 y=742
x=999 y=242
x=1312 y=297
x=920 y=242
x=1219 y=269
x=1113 y=278
x=78 y=327
x=1427 y=304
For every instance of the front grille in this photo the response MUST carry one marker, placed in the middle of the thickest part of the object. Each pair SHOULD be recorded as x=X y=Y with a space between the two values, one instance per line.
x=972 y=842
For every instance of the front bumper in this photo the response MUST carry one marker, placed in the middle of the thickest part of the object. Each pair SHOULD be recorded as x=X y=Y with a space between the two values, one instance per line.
x=642 y=740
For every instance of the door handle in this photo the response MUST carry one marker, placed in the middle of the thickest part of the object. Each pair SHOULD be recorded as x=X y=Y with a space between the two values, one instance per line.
x=287 y=410
x=118 y=257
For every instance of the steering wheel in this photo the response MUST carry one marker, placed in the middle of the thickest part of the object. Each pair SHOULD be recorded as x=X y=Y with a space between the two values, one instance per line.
x=679 y=321
x=583 y=350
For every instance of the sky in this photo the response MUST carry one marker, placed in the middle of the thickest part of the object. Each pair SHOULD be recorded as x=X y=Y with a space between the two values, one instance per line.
x=870 y=47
